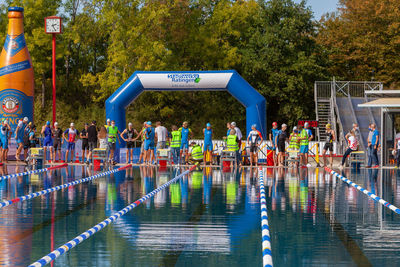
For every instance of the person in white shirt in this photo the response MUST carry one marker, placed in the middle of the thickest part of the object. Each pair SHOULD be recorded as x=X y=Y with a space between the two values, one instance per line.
x=161 y=135
x=353 y=145
x=397 y=149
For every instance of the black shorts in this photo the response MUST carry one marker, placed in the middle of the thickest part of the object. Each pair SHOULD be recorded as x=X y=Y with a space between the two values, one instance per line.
x=130 y=145
x=281 y=147
x=85 y=145
x=253 y=148
x=92 y=146
x=57 y=144
x=328 y=147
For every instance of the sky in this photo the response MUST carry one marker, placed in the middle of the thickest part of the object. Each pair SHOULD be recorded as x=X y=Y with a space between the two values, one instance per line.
x=321 y=7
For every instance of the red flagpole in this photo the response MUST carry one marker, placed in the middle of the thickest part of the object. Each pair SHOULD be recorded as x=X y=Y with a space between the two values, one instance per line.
x=54 y=78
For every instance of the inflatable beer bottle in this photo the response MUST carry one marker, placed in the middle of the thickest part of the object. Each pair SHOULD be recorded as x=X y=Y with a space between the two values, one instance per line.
x=16 y=72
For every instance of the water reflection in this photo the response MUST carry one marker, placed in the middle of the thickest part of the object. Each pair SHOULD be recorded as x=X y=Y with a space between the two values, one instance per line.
x=209 y=218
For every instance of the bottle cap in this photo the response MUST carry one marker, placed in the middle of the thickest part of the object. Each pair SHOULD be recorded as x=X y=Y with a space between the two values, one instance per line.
x=16 y=8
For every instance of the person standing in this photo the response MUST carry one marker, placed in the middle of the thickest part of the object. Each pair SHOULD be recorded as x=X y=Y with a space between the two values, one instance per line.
x=149 y=143
x=92 y=139
x=375 y=146
x=70 y=135
x=187 y=134
x=305 y=137
x=273 y=135
x=130 y=143
x=161 y=135
x=102 y=136
x=112 y=132
x=142 y=136
x=369 y=147
x=253 y=138
x=85 y=142
x=232 y=144
x=294 y=142
x=281 y=144
x=57 y=141
x=352 y=145
x=108 y=124
x=228 y=126
x=238 y=133
x=5 y=136
x=47 y=141
x=19 y=137
x=176 y=144
x=330 y=137
x=208 y=145
x=397 y=149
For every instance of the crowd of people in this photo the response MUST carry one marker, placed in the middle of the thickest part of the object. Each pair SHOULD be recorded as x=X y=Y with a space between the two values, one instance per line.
x=183 y=150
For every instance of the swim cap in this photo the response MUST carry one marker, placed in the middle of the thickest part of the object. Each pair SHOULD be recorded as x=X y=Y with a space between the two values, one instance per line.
x=254 y=125
x=26 y=119
x=208 y=124
x=306 y=124
x=56 y=124
x=328 y=125
x=294 y=128
x=108 y=120
x=47 y=123
x=149 y=123
x=130 y=124
x=233 y=123
x=72 y=124
x=274 y=123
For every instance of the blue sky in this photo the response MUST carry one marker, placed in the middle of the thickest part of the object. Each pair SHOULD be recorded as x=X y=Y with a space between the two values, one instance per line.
x=321 y=6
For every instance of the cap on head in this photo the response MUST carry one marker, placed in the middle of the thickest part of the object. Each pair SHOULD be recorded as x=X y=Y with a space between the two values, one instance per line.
x=130 y=124
x=274 y=123
x=148 y=123
x=306 y=125
x=26 y=119
x=208 y=124
x=254 y=126
x=328 y=126
x=108 y=120
x=56 y=124
x=47 y=122
x=233 y=123
x=72 y=124
x=294 y=128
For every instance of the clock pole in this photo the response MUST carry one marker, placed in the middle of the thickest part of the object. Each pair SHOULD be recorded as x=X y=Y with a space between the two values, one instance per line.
x=54 y=78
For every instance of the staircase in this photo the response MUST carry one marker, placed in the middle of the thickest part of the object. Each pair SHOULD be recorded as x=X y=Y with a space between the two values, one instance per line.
x=324 y=115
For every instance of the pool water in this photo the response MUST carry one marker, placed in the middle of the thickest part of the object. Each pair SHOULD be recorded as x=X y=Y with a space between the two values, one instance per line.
x=208 y=218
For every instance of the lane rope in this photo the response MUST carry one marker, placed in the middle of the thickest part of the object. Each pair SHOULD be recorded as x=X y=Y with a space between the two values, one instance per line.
x=32 y=172
x=85 y=235
x=6 y=203
x=365 y=191
x=266 y=238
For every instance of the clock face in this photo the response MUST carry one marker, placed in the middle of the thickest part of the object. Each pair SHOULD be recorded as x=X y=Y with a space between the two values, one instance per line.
x=53 y=25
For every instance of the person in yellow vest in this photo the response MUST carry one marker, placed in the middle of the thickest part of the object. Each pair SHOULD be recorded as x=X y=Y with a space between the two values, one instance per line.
x=330 y=137
x=294 y=141
x=113 y=136
x=176 y=138
x=195 y=154
x=232 y=144
x=305 y=137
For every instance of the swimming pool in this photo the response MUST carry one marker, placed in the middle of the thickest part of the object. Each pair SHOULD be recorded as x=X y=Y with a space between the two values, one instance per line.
x=209 y=218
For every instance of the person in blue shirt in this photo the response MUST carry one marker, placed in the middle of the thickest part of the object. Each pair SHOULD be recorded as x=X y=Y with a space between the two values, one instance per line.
x=208 y=146
x=374 y=146
x=47 y=141
x=187 y=134
x=149 y=134
x=273 y=135
x=19 y=137
x=5 y=136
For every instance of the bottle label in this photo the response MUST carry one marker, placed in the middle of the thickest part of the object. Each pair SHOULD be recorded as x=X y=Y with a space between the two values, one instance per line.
x=23 y=65
x=15 y=105
x=14 y=45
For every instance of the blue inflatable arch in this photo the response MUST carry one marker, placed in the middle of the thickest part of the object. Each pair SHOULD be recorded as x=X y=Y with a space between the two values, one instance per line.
x=228 y=80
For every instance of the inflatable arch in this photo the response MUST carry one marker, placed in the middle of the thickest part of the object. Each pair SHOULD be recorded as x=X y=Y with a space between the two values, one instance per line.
x=228 y=80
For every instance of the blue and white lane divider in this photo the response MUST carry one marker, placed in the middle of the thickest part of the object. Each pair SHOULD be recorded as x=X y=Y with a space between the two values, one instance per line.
x=266 y=239
x=365 y=191
x=32 y=172
x=85 y=235
x=6 y=203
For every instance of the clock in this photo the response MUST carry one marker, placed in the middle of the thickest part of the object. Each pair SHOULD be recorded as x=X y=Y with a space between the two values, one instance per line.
x=53 y=25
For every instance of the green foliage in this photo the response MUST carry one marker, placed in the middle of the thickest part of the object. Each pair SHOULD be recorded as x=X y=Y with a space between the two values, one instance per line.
x=271 y=43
